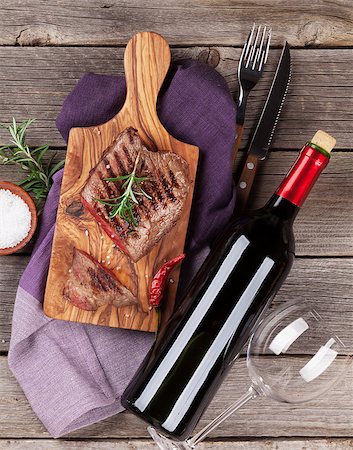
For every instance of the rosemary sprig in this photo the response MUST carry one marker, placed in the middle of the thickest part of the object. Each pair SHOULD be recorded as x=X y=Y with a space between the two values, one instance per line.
x=123 y=205
x=39 y=170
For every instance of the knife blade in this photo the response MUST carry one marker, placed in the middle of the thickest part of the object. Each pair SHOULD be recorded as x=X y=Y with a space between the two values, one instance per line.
x=265 y=129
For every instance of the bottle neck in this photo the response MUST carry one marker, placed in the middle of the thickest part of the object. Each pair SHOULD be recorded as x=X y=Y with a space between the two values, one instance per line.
x=294 y=189
x=303 y=175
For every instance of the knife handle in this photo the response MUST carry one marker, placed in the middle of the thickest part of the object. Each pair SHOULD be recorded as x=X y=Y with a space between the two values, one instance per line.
x=245 y=182
x=240 y=129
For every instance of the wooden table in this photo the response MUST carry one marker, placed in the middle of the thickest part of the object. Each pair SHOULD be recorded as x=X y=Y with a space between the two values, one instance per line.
x=47 y=46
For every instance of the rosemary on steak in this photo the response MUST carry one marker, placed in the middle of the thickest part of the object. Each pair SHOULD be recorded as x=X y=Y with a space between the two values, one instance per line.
x=124 y=205
x=39 y=169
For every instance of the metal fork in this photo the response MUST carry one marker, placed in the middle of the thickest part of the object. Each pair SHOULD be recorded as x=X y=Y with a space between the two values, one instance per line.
x=251 y=64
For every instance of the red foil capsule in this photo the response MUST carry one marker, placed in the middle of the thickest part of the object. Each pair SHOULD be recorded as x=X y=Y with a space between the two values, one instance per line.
x=302 y=176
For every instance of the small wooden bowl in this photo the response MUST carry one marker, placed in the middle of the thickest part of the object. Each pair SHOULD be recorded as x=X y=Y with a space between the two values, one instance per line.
x=17 y=190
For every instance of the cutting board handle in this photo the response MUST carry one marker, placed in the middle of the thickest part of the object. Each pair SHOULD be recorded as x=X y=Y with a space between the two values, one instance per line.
x=146 y=62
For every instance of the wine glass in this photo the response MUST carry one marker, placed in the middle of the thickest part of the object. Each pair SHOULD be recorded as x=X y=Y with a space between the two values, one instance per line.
x=292 y=329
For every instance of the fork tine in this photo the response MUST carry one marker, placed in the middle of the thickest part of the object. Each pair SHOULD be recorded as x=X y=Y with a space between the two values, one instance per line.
x=268 y=45
x=256 y=58
x=246 y=47
x=261 y=61
x=252 y=59
x=264 y=54
x=253 y=48
x=259 y=50
x=248 y=42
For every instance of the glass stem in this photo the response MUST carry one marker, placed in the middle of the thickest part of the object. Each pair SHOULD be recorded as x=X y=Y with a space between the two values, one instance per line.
x=200 y=436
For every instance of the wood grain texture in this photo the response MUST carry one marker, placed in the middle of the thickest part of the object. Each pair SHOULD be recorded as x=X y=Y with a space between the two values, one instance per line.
x=224 y=22
x=135 y=444
x=11 y=268
x=146 y=62
x=320 y=94
x=329 y=415
x=34 y=82
x=326 y=283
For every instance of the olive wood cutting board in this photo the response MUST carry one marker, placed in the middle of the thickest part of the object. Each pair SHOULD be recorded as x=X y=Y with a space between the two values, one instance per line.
x=146 y=62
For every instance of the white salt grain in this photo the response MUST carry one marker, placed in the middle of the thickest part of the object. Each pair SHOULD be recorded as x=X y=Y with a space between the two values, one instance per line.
x=15 y=219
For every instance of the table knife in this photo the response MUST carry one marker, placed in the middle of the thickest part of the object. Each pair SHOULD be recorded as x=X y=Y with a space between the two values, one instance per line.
x=264 y=132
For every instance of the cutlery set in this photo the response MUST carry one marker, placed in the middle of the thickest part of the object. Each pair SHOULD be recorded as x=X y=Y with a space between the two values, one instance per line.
x=250 y=69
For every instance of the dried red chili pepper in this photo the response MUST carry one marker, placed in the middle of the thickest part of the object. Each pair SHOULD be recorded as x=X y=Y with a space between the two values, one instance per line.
x=160 y=279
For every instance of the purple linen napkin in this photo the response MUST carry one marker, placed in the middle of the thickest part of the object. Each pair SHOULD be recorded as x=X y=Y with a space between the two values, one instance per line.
x=73 y=374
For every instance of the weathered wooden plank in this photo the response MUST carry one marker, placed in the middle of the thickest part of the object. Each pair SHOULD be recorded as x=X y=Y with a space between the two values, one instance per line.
x=94 y=22
x=326 y=283
x=329 y=415
x=320 y=94
x=323 y=227
x=249 y=444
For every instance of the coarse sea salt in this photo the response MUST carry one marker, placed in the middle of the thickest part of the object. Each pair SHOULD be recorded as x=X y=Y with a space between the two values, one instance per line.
x=15 y=219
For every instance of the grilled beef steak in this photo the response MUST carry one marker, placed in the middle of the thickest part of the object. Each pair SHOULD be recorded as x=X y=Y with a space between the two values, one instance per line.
x=167 y=185
x=91 y=285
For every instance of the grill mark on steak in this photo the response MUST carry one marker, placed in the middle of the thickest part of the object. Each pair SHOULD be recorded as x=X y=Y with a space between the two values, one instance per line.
x=173 y=179
x=106 y=211
x=111 y=189
x=127 y=155
x=91 y=285
x=151 y=189
x=115 y=187
x=141 y=166
x=105 y=161
x=108 y=169
x=154 y=176
x=106 y=281
x=102 y=210
x=97 y=280
x=145 y=203
x=119 y=225
x=167 y=185
x=149 y=186
x=107 y=193
x=154 y=192
x=121 y=168
x=167 y=188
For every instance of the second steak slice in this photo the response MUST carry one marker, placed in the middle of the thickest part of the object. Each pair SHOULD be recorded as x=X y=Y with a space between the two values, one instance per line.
x=91 y=285
x=167 y=185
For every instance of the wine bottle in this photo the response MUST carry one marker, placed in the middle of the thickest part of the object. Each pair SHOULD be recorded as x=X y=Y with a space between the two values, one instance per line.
x=196 y=348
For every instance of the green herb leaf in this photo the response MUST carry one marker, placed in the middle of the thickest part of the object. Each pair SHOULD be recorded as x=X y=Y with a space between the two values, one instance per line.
x=124 y=205
x=40 y=169
x=55 y=168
